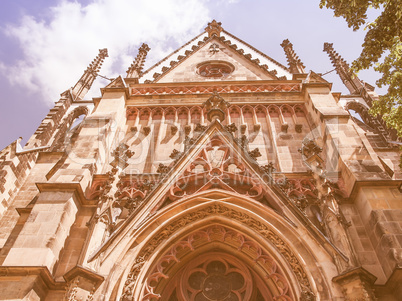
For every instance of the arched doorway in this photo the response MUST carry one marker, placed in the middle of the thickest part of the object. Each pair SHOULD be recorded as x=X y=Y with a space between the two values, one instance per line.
x=216 y=262
x=215 y=234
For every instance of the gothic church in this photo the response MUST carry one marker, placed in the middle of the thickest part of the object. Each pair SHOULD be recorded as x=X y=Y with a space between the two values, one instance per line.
x=218 y=174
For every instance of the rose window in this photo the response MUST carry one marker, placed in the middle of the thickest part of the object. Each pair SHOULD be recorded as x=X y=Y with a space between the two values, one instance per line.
x=215 y=69
x=216 y=280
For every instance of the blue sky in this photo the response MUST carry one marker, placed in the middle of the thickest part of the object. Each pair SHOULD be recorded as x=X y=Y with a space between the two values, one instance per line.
x=45 y=45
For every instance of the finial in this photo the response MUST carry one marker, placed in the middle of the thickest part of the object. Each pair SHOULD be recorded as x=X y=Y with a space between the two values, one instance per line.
x=214 y=29
x=83 y=85
x=352 y=82
x=216 y=107
x=295 y=64
x=135 y=70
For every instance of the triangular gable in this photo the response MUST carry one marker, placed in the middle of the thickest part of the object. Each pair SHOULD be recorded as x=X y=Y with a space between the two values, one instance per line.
x=259 y=65
x=315 y=78
x=117 y=83
x=217 y=163
x=216 y=61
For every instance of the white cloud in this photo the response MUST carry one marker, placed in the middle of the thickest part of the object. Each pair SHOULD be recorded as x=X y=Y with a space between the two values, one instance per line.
x=57 y=51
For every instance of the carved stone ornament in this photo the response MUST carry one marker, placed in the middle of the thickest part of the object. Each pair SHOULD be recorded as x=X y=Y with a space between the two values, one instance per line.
x=307 y=295
x=146 y=130
x=242 y=141
x=72 y=290
x=173 y=130
x=131 y=192
x=121 y=155
x=302 y=192
x=216 y=107
x=187 y=129
x=269 y=168
x=199 y=128
x=162 y=169
x=243 y=129
x=255 y=153
x=309 y=148
x=131 y=278
x=175 y=155
x=298 y=128
x=188 y=142
x=214 y=28
x=214 y=48
x=231 y=128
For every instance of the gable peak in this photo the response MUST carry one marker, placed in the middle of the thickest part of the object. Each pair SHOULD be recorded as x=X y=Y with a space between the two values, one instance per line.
x=214 y=28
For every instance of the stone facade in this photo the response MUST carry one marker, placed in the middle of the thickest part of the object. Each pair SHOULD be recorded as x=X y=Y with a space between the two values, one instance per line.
x=217 y=174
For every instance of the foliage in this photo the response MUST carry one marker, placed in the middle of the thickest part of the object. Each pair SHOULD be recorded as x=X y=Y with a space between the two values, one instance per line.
x=383 y=40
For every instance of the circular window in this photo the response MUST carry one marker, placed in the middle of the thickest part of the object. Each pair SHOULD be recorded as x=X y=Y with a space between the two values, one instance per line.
x=215 y=69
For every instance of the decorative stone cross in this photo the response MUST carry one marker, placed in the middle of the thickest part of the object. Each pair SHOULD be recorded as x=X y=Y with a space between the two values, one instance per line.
x=214 y=48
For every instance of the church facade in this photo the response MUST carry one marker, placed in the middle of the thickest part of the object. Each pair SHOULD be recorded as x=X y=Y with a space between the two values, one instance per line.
x=217 y=174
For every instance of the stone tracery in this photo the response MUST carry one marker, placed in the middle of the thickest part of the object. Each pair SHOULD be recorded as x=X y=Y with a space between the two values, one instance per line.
x=224 y=212
x=201 y=278
x=216 y=167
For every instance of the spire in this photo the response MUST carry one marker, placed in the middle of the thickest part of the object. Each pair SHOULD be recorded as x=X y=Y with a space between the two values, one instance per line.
x=295 y=64
x=82 y=87
x=135 y=70
x=351 y=81
x=214 y=28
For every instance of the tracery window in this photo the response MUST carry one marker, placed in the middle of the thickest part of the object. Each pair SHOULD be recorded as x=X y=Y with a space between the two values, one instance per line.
x=215 y=69
x=218 y=277
x=216 y=280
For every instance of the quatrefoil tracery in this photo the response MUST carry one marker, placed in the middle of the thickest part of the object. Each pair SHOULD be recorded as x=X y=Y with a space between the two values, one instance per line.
x=216 y=167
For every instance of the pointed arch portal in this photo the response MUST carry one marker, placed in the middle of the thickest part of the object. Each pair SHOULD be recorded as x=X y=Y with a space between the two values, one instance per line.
x=216 y=263
x=214 y=250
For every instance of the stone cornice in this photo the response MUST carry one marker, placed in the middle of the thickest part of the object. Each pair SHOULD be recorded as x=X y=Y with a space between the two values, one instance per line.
x=209 y=87
x=373 y=183
x=353 y=273
x=41 y=271
x=80 y=271
x=74 y=187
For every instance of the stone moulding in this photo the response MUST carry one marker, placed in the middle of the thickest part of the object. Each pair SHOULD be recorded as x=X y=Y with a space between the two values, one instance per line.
x=74 y=187
x=208 y=89
x=41 y=271
x=219 y=210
